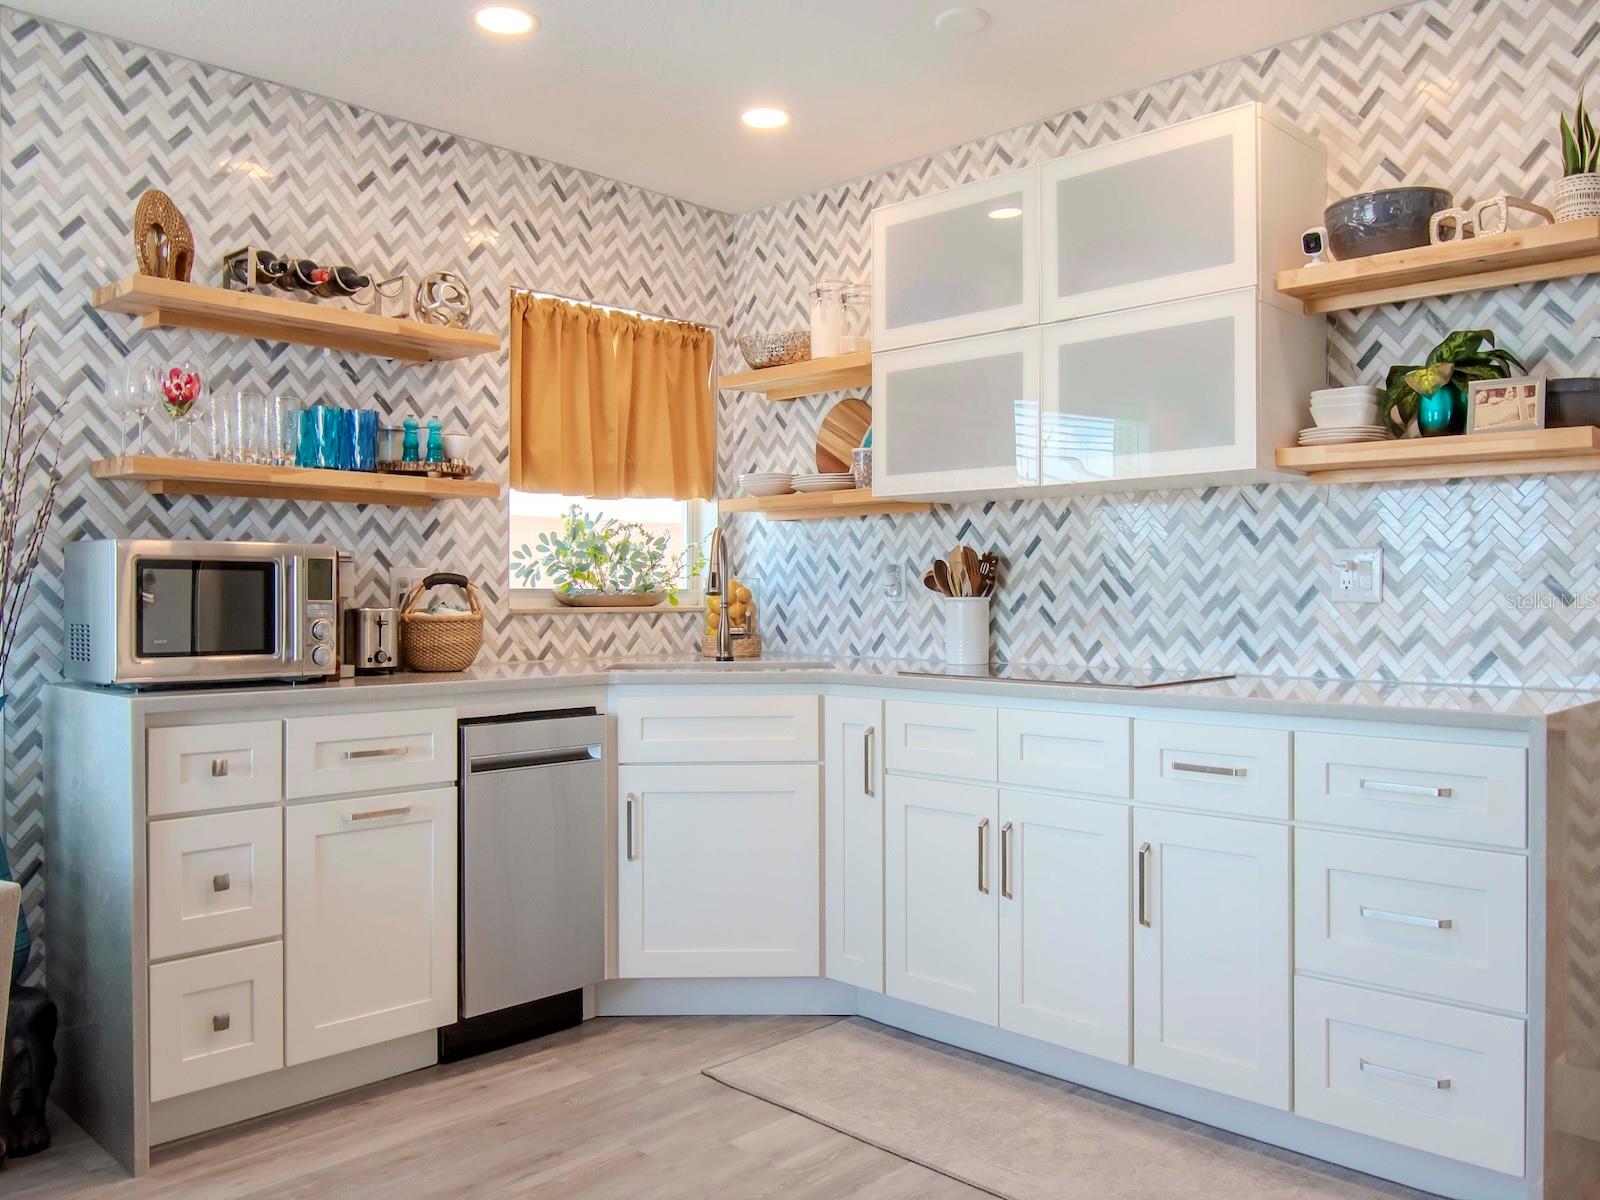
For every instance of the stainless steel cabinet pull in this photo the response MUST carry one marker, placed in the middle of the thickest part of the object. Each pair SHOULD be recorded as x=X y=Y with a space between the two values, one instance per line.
x=219 y=768
x=1404 y=789
x=1005 y=861
x=221 y=883
x=1207 y=769
x=1426 y=1081
x=633 y=850
x=381 y=752
x=1400 y=918
x=866 y=759
x=377 y=814
x=983 y=856
x=1144 y=885
x=221 y=1022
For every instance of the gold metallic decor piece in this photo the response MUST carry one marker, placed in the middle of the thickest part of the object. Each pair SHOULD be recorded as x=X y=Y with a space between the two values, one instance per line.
x=443 y=298
x=161 y=238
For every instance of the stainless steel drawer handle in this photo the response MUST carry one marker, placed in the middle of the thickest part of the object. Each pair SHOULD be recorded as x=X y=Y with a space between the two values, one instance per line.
x=378 y=814
x=1207 y=769
x=1411 y=1077
x=1144 y=885
x=219 y=768
x=381 y=752
x=1005 y=861
x=983 y=856
x=222 y=882
x=633 y=849
x=867 y=740
x=1404 y=789
x=1400 y=918
x=221 y=1022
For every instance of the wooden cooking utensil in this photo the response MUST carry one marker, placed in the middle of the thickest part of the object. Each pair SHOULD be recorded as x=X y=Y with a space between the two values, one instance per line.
x=958 y=574
x=989 y=571
x=941 y=574
x=969 y=561
x=931 y=582
x=842 y=430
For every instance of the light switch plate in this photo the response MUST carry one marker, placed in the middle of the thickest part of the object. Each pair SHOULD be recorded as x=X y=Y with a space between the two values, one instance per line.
x=1357 y=575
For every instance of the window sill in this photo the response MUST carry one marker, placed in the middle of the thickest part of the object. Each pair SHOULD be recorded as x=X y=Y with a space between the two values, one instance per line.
x=540 y=601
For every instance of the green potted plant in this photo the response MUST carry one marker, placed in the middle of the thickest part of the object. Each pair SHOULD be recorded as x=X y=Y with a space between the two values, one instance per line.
x=593 y=561
x=1578 y=190
x=1434 y=394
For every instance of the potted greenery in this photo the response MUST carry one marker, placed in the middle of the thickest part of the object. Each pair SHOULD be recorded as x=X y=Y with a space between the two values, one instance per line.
x=594 y=562
x=1434 y=395
x=1578 y=190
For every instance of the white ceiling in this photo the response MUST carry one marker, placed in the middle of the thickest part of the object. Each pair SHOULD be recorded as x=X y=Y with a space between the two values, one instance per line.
x=649 y=91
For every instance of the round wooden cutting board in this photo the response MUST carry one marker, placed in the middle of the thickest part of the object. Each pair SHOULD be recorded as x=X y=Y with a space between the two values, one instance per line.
x=844 y=427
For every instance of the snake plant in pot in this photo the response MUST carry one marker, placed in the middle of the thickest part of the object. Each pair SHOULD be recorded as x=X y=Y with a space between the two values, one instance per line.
x=1434 y=394
x=1578 y=189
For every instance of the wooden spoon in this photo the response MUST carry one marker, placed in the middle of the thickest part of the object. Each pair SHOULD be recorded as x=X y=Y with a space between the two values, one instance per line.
x=941 y=574
x=931 y=582
x=969 y=560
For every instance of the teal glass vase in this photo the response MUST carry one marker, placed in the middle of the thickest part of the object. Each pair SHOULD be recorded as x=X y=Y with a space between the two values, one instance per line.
x=1442 y=412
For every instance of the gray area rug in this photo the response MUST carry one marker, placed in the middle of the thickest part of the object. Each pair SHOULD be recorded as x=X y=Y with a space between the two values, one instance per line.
x=1018 y=1134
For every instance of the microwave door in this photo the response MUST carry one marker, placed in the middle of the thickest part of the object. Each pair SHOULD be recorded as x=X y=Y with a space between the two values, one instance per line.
x=215 y=609
x=165 y=612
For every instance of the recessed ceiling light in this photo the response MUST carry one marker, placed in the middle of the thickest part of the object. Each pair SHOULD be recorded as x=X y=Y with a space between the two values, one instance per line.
x=505 y=20
x=962 y=21
x=1004 y=214
x=764 y=118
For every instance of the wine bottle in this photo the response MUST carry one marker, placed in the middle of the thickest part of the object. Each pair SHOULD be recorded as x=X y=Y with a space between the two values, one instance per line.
x=269 y=268
x=304 y=275
x=343 y=281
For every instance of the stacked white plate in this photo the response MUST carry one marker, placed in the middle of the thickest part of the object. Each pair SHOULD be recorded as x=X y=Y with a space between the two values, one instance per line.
x=766 y=483
x=1329 y=435
x=828 y=482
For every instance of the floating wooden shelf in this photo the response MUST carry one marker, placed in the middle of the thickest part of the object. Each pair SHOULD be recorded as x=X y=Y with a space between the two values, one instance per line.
x=1534 y=452
x=163 y=303
x=1521 y=256
x=200 y=477
x=817 y=506
x=805 y=378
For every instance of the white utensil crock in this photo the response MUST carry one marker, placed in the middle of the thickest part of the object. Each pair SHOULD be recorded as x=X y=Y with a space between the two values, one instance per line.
x=966 y=631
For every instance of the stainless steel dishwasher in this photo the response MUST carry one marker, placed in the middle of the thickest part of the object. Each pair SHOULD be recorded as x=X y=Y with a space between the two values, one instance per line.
x=532 y=871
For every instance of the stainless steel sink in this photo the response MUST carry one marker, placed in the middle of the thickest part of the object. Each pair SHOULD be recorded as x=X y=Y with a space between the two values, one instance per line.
x=711 y=665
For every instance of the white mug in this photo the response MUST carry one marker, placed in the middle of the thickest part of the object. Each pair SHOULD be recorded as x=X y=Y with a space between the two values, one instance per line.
x=966 y=630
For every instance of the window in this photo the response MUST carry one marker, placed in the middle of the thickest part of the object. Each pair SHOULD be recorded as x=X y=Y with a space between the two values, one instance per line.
x=683 y=522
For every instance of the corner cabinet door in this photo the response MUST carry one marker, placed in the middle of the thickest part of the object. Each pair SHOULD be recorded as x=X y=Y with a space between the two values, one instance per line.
x=1157 y=217
x=718 y=871
x=1065 y=973
x=1165 y=390
x=957 y=417
x=852 y=841
x=941 y=933
x=1211 y=976
x=956 y=263
x=369 y=920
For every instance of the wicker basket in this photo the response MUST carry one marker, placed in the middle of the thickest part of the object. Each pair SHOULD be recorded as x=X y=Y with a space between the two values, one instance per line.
x=441 y=641
x=745 y=645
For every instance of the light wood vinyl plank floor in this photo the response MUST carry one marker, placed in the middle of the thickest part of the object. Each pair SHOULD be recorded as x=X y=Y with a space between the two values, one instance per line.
x=614 y=1108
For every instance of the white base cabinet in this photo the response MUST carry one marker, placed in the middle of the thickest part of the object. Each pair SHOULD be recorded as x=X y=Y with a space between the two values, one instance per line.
x=852 y=851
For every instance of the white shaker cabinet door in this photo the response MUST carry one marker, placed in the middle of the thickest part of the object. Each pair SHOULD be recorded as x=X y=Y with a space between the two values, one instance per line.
x=1064 y=922
x=852 y=825
x=956 y=263
x=369 y=920
x=957 y=417
x=940 y=924
x=1211 y=976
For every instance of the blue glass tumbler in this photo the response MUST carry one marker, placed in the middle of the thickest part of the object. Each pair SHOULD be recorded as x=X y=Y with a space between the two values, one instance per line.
x=364 y=438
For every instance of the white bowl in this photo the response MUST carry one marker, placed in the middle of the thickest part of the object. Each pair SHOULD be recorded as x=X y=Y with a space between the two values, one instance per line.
x=1358 y=392
x=1367 y=415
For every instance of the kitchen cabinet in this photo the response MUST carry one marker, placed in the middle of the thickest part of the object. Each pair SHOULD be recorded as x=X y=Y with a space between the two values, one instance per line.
x=1212 y=972
x=956 y=263
x=718 y=871
x=1064 y=922
x=852 y=825
x=957 y=416
x=369 y=920
x=941 y=930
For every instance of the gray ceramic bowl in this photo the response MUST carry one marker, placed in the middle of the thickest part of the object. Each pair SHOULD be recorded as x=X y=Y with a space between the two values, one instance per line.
x=1378 y=222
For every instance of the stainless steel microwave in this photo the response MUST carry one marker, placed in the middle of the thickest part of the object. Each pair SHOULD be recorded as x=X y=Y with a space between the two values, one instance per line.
x=146 y=613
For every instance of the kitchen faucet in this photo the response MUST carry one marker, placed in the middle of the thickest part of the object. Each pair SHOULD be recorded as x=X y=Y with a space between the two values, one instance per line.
x=717 y=585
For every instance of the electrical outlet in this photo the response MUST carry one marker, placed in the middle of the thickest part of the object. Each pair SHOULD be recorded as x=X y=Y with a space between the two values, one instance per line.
x=894 y=583
x=1358 y=575
x=402 y=578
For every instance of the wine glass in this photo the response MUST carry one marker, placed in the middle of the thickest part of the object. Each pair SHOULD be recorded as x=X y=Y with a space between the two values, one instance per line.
x=135 y=397
x=181 y=387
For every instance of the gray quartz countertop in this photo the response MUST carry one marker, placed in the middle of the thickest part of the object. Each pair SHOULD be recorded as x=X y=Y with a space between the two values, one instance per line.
x=1501 y=708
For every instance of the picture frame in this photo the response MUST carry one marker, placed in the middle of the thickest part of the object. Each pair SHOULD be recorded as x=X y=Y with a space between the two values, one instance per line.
x=1505 y=405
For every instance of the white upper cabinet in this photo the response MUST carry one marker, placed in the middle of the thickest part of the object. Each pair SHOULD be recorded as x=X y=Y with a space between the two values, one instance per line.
x=957 y=263
x=957 y=416
x=1208 y=205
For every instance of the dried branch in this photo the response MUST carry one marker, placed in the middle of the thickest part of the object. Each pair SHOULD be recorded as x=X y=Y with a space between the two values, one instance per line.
x=25 y=457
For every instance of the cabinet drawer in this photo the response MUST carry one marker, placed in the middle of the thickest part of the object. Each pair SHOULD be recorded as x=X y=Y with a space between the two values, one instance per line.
x=215 y=881
x=1453 y=790
x=943 y=739
x=368 y=752
x=713 y=729
x=215 y=1018
x=197 y=767
x=1068 y=752
x=1424 y=1075
x=1222 y=768
x=1439 y=920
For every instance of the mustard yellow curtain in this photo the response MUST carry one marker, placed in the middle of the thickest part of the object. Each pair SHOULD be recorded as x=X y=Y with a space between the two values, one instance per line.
x=607 y=404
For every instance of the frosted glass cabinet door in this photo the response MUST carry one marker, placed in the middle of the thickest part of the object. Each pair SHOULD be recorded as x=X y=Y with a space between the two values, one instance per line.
x=957 y=416
x=1164 y=390
x=1156 y=217
x=956 y=263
